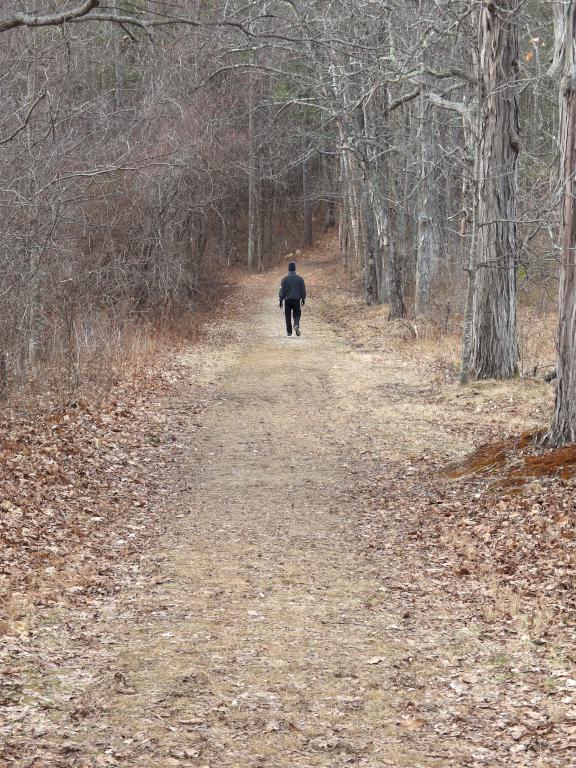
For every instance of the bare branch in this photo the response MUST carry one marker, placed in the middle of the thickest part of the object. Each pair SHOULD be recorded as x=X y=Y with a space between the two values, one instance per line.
x=403 y=99
x=453 y=106
x=451 y=72
x=23 y=125
x=28 y=19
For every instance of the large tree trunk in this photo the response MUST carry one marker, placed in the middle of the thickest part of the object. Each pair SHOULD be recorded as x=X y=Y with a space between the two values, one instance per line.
x=407 y=217
x=494 y=349
x=469 y=224
x=563 y=428
x=395 y=288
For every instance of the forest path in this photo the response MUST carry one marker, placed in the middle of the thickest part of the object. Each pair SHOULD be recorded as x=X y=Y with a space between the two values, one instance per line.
x=269 y=635
x=270 y=626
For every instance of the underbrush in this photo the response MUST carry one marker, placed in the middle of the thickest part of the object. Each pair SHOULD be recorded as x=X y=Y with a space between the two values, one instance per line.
x=87 y=352
x=80 y=454
x=435 y=340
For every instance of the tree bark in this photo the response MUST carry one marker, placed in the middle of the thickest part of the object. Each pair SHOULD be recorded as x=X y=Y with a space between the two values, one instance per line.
x=426 y=257
x=386 y=269
x=494 y=350
x=370 y=247
x=351 y=181
x=388 y=252
x=253 y=257
x=469 y=221
x=563 y=427
x=327 y=174
x=306 y=202
x=33 y=349
x=3 y=376
x=344 y=223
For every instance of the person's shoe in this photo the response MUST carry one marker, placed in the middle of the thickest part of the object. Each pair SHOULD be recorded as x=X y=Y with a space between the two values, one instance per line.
x=297 y=329
x=288 y=334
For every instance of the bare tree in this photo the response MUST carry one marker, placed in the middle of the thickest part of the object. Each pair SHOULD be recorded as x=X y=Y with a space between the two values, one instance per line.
x=563 y=427
x=427 y=255
x=145 y=161
x=494 y=352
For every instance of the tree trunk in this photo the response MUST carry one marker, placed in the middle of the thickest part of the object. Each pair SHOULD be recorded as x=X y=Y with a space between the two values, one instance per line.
x=388 y=252
x=252 y=255
x=563 y=428
x=223 y=240
x=407 y=217
x=386 y=270
x=260 y=195
x=3 y=376
x=353 y=205
x=426 y=258
x=370 y=246
x=306 y=202
x=494 y=350
x=327 y=173
x=469 y=225
x=330 y=218
x=393 y=263
x=33 y=345
x=344 y=215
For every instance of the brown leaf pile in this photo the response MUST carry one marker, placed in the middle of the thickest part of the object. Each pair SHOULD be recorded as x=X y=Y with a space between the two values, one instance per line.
x=516 y=519
x=505 y=516
x=493 y=563
x=74 y=490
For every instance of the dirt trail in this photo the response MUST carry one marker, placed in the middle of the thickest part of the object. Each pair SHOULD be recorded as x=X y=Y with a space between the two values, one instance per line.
x=263 y=630
x=273 y=628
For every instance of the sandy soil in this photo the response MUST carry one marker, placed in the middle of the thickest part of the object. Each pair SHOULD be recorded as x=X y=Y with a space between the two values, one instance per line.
x=265 y=628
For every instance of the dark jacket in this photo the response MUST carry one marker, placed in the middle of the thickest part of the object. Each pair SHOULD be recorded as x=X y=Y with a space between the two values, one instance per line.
x=292 y=287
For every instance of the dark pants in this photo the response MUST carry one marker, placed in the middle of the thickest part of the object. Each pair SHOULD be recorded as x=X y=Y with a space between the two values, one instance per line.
x=292 y=306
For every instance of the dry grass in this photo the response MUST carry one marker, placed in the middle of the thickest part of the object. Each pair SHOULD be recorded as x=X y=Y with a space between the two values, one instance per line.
x=84 y=362
x=537 y=340
x=435 y=340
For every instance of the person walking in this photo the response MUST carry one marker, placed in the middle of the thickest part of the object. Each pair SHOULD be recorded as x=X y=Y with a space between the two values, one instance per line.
x=293 y=296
